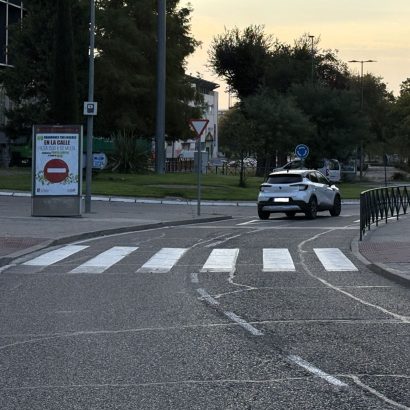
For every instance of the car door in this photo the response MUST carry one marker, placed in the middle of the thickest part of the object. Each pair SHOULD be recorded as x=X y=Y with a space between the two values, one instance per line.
x=326 y=192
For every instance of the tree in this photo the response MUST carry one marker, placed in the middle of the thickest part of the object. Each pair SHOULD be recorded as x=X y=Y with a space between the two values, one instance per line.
x=125 y=67
x=278 y=125
x=125 y=64
x=64 y=98
x=29 y=83
x=241 y=58
x=400 y=115
x=336 y=117
x=236 y=138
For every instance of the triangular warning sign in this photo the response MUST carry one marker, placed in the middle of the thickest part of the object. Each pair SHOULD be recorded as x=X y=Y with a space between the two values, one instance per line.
x=199 y=126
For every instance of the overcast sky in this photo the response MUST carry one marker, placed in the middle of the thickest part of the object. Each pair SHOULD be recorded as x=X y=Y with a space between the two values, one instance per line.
x=358 y=29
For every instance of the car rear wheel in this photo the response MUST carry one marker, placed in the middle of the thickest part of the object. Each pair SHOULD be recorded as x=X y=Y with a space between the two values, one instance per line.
x=337 y=206
x=311 y=209
x=290 y=214
x=263 y=214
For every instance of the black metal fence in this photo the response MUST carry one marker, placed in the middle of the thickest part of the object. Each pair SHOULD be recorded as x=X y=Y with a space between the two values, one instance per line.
x=382 y=203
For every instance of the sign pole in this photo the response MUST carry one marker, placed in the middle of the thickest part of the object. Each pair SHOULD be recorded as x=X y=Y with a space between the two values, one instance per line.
x=199 y=176
x=199 y=127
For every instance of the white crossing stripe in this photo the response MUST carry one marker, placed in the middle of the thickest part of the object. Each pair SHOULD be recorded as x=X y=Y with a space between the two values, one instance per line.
x=277 y=260
x=221 y=260
x=104 y=260
x=55 y=256
x=334 y=260
x=163 y=261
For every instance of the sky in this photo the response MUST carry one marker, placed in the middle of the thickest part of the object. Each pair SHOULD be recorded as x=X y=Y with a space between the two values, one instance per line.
x=359 y=30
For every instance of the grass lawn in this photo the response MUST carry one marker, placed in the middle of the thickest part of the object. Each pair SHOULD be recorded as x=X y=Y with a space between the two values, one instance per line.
x=214 y=187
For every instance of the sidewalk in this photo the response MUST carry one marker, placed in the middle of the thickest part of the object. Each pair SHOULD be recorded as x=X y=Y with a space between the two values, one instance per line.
x=384 y=249
x=20 y=233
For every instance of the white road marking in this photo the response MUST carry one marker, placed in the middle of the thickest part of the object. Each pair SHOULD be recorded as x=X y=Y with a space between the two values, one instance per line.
x=243 y=323
x=55 y=256
x=248 y=222
x=104 y=260
x=317 y=372
x=277 y=260
x=206 y=296
x=334 y=260
x=221 y=260
x=213 y=244
x=194 y=277
x=163 y=260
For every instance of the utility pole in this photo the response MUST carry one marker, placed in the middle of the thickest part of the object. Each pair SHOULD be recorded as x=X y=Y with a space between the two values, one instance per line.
x=361 y=107
x=161 y=64
x=90 y=118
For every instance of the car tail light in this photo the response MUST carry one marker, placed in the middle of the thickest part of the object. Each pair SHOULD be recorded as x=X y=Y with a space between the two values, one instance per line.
x=303 y=187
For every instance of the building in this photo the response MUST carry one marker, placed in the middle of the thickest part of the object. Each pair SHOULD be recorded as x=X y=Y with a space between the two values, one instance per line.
x=209 y=139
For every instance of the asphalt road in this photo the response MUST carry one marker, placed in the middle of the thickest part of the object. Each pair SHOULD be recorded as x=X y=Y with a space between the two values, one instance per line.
x=209 y=316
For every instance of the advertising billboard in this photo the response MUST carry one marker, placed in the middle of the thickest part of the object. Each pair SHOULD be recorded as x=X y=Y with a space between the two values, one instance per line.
x=57 y=162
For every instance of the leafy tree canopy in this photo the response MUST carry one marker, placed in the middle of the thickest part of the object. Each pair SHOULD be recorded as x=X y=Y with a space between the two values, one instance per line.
x=125 y=65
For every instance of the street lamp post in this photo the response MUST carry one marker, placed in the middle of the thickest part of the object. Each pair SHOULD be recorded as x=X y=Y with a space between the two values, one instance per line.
x=90 y=118
x=161 y=61
x=361 y=105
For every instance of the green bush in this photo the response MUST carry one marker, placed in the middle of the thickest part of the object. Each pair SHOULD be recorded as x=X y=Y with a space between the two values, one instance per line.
x=131 y=153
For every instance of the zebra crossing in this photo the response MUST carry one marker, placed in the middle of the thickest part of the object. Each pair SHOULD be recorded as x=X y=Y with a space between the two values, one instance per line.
x=220 y=260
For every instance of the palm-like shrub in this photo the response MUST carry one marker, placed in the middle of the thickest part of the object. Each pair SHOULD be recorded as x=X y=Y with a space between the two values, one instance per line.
x=131 y=153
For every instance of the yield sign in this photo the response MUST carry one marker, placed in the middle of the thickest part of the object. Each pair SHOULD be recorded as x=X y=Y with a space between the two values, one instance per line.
x=198 y=126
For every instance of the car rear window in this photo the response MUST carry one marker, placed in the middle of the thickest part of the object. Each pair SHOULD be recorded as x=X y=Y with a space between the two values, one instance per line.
x=333 y=165
x=284 y=179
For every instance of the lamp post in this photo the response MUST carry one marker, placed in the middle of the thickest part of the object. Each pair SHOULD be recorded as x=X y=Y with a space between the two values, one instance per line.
x=160 y=117
x=361 y=105
x=311 y=55
x=90 y=118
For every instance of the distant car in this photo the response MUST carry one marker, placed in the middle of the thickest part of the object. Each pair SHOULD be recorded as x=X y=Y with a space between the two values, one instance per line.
x=330 y=168
x=217 y=162
x=294 y=191
x=247 y=162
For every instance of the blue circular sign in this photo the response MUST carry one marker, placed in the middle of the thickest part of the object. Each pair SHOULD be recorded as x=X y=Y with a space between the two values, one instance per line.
x=302 y=151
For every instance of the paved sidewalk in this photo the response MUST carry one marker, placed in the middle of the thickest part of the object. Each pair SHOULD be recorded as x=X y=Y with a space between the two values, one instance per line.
x=385 y=249
x=20 y=233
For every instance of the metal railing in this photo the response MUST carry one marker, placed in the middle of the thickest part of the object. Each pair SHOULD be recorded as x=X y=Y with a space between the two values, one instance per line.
x=381 y=204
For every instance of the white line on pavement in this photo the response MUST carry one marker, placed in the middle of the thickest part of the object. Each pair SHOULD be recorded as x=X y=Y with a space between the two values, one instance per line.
x=105 y=260
x=317 y=372
x=243 y=323
x=55 y=256
x=277 y=260
x=206 y=296
x=334 y=260
x=163 y=260
x=221 y=260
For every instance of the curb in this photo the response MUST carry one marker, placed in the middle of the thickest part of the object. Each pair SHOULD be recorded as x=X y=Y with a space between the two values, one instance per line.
x=6 y=260
x=136 y=200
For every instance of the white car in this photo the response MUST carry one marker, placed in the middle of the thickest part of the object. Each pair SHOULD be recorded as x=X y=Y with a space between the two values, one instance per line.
x=307 y=191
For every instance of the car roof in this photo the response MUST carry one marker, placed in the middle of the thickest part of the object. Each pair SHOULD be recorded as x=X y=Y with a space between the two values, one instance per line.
x=302 y=172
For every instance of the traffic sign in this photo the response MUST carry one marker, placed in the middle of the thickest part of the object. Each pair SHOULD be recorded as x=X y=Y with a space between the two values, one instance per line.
x=302 y=151
x=199 y=126
x=90 y=108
